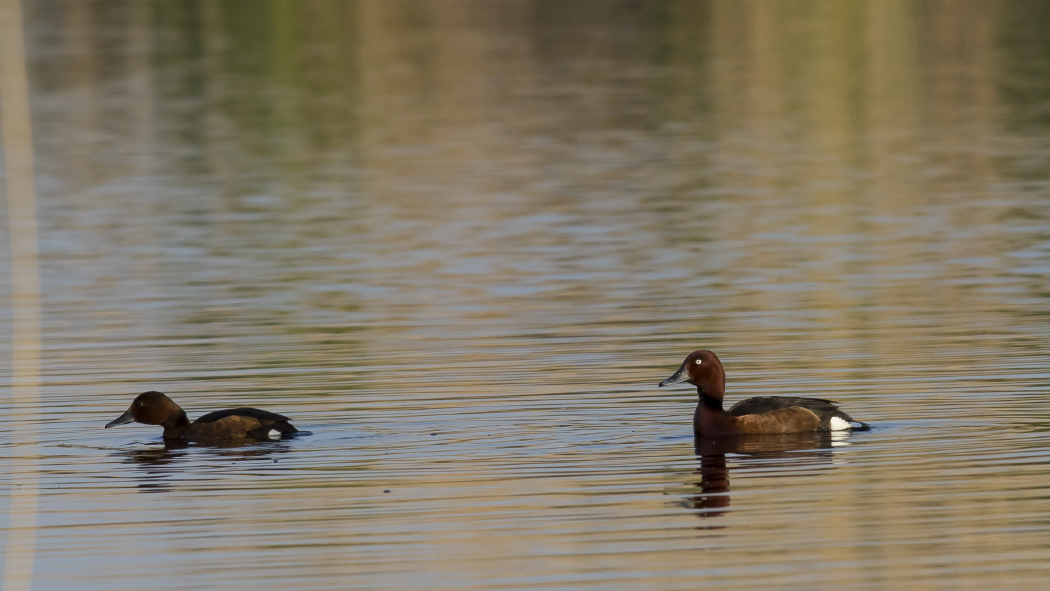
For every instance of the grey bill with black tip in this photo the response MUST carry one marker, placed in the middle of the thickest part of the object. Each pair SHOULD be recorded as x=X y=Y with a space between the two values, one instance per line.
x=679 y=376
x=121 y=420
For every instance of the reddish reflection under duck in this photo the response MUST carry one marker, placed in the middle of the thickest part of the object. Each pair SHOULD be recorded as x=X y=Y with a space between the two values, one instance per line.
x=791 y=450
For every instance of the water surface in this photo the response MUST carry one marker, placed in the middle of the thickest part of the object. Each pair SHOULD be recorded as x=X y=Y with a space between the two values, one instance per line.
x=460 y=243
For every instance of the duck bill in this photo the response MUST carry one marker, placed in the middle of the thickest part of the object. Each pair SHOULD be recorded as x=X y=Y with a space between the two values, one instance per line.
x=121 y=420
x=679 y=376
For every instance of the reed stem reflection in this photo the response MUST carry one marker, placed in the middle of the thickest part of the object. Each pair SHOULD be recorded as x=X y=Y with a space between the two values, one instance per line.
x=25 y=300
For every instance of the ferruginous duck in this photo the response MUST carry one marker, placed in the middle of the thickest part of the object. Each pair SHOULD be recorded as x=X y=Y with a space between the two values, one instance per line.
x=758 y=415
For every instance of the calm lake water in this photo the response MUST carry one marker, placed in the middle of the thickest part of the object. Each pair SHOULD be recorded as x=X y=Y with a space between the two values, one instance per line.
x=461 y=242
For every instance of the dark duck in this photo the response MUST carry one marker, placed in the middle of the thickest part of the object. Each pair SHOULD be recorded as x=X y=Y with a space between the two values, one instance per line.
x=154 y=408
x=758 y=415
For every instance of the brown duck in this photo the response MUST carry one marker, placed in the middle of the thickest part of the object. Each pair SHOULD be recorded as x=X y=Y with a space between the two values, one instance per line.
x=154 y=408
x=761 y=414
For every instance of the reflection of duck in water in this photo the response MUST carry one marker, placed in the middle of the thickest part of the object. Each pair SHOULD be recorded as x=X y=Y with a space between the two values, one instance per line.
x=758 y=415
x=154 y=408
x=791 y=449
x=159 y=464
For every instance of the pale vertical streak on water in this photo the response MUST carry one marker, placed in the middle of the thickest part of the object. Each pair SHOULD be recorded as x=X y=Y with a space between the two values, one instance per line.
x=24 y=393
x=460 y=242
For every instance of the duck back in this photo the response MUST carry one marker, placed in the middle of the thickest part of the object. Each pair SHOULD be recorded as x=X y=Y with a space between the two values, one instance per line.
x=236 y=423
x=262 y=415
x=826 y=410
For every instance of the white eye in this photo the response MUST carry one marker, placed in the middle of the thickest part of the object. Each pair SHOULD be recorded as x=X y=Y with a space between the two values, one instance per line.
x=699 y=361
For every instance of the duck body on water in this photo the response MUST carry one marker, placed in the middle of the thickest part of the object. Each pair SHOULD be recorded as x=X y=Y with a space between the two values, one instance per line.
x=701 y=368
x=753 y=416
x=155 y=408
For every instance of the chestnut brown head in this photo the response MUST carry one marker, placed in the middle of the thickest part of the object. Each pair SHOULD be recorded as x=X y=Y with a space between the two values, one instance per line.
x=150 y=408
x=703 y=370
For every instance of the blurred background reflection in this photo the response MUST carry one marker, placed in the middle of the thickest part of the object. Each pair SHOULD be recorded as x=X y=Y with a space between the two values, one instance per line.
x=461 y=241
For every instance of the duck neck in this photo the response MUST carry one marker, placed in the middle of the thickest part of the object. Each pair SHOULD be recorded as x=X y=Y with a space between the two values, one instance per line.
x=708 y=401
x=174 y=429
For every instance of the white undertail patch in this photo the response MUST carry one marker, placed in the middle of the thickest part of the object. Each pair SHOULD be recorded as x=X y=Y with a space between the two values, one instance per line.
x=838 y=424
x=275 y=434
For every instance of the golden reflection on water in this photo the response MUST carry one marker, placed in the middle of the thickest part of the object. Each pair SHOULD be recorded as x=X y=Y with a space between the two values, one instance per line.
x=460 y=241
x=22 y=405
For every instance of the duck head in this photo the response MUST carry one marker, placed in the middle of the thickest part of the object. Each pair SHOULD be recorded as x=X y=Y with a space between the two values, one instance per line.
x=154 y=408
x=702 y=369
